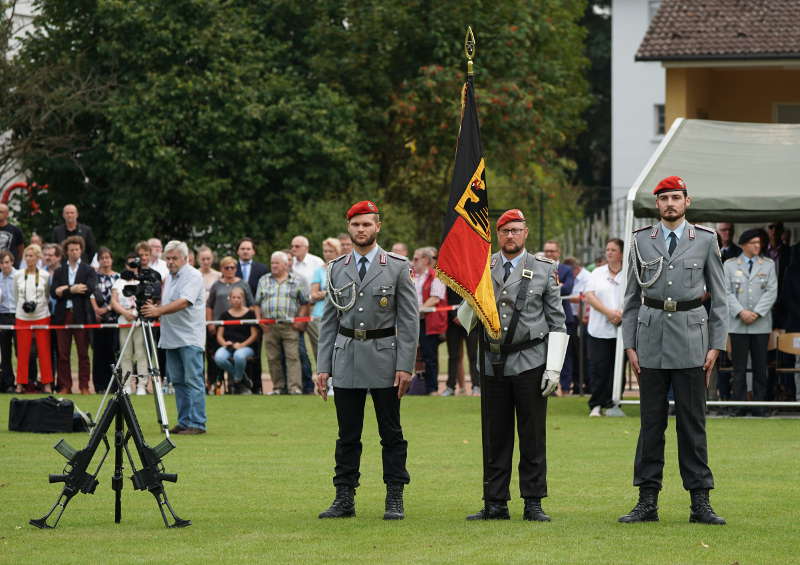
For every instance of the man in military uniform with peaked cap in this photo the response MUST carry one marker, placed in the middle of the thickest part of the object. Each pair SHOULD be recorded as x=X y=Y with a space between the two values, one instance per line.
x=520 y=370
x=752 y=290
x=368 y=342
x=671 y=340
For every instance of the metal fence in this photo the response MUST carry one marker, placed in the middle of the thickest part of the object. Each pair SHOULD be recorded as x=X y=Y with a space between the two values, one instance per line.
x=586 y=240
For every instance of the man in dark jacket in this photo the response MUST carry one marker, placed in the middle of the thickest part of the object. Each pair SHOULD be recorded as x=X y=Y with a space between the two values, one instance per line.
x=71 y=227
x=74 y=286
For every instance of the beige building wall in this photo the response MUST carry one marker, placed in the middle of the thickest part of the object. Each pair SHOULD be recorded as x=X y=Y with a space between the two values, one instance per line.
x=730 y=94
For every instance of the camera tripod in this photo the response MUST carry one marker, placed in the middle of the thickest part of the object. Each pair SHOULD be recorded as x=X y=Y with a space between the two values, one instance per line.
x=150 y=475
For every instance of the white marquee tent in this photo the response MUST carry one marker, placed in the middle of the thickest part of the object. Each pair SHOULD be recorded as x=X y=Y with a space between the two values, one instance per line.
x=735 y=172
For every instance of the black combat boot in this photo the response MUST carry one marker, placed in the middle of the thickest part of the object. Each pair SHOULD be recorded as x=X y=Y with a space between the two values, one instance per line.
x=491 y=511
x=344 y=505
x=533 y=511
x=646 y=510
x=702 y=512
x=394 y=502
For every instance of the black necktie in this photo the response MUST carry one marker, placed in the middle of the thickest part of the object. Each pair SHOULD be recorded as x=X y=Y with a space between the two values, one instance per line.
x=673 y=242
x=363 y=270
x=749 y=266
x=507 y=267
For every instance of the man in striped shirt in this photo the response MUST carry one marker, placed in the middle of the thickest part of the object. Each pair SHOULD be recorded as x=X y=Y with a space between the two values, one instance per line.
x=282 y=295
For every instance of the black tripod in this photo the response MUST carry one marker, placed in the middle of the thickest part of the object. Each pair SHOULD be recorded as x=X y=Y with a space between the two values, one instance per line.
x=150 y=474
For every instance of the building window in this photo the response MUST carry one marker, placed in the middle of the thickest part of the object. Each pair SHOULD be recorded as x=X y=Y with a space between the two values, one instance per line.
x=659 y=118
x=787 y=113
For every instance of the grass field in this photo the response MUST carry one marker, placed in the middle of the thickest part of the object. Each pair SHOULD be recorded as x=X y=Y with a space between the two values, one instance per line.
x=254 y=484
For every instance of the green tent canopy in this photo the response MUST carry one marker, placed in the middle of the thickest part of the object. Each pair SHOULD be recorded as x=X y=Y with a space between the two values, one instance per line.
x=735 y=171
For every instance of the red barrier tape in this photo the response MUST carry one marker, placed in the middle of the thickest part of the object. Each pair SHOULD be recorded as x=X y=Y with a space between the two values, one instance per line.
x=265 y=321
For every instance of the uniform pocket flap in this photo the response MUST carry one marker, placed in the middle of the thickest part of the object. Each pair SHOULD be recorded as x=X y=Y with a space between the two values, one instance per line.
x=385 y=342
x=383 y=289
x=692 y=264
x=698 y=318
x=341 y=341
x=644 y=318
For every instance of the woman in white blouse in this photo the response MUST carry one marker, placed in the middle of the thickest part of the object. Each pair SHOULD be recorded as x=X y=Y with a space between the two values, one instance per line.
x=604 y=294
x=33 y=289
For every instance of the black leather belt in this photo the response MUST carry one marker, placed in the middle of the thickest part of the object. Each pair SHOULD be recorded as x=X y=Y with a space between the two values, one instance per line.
x=513 y=347
x=364 y=335
x=672 y=305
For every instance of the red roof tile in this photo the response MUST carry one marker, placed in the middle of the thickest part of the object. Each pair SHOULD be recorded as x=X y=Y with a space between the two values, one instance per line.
x=723 y=29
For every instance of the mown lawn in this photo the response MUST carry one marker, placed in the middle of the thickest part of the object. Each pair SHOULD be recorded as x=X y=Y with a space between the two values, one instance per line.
x=254 y=484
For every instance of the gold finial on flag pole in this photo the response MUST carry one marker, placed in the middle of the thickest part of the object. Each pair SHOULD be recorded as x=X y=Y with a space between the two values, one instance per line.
x=469 y=49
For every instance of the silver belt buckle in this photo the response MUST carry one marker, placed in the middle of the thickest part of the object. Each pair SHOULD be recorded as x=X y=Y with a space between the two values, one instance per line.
x=360 y=334
x=670 y=306
x=494 y=347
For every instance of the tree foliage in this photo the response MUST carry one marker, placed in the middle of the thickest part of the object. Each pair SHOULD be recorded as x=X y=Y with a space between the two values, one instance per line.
x=208 y=120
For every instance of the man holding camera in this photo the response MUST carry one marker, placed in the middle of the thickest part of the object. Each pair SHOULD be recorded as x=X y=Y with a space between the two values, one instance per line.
x=73 y=285
x=182 y=313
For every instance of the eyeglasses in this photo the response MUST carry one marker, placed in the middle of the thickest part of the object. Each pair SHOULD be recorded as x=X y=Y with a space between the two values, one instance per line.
x=771 y=227
x=514 y=231
x=226 y=267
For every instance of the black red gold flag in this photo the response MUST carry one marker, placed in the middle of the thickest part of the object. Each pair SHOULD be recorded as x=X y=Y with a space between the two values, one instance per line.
x=466 y=248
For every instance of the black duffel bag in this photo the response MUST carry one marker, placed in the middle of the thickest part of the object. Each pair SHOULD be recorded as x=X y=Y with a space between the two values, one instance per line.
x=41 y=415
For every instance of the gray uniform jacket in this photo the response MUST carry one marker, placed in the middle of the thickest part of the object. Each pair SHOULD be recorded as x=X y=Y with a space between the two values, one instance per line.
x=756 y=291
x=543 y=311
x=386 y=298
x=675 y=340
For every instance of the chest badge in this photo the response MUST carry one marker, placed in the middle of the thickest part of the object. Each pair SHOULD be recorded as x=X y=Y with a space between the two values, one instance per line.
x=383 y=302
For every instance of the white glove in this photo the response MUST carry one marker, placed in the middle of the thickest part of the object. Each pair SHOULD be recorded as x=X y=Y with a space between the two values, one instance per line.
x=550 y=382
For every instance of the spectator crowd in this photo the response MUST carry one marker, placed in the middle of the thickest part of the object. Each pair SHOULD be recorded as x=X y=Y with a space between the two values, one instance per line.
x=71 y=280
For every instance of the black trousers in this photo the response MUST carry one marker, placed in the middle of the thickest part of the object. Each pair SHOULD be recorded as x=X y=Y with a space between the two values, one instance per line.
x=7 y=337
x=601 y=369
x=105 y=343
x=350 y=415
x=501 y=398
x=689 y=388
x=456 y=337
x=756 y=346
x=429 y=346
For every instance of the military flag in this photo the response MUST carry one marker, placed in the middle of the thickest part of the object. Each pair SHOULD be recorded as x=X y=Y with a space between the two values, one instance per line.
x=466 y=247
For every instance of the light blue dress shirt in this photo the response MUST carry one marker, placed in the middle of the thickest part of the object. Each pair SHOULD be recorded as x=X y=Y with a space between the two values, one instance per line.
x=370 y=257
x=186 y=326
x=677 y=231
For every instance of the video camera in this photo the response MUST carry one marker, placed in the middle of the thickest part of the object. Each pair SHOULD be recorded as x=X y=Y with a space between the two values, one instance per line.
x=148 y=287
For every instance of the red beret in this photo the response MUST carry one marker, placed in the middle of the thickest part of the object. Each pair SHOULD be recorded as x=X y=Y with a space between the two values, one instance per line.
x=513 y=215
x=670 y=183
x=363 y=207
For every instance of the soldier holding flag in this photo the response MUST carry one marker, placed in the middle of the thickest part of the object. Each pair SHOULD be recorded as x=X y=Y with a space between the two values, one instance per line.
x=523 y=338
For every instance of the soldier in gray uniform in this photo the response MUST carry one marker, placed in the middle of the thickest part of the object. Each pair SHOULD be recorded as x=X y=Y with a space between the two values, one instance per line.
x=519 y=371
x=368 y=342
x=671 y=340
x=752 y=290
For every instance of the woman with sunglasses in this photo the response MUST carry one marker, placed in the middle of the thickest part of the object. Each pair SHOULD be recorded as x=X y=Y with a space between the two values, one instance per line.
x=217 y=302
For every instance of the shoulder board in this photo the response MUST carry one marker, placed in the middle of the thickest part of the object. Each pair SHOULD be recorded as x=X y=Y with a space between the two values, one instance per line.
x=731 y=260
x=544 y=259
x=705 y=228
x=397 y=256
x=763 y=259
x=339 y=258
x=642 y=229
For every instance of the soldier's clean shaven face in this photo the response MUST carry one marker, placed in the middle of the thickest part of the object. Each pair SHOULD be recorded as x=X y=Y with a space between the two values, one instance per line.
x=752 y=247
x=672 y=205
x=363 y=229
x=512 y=238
